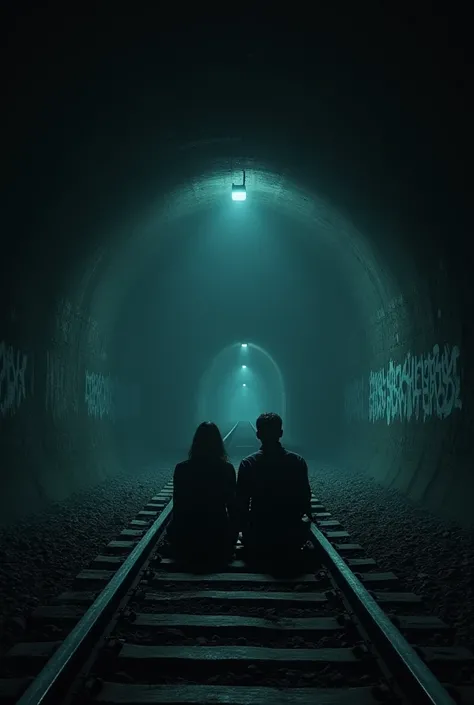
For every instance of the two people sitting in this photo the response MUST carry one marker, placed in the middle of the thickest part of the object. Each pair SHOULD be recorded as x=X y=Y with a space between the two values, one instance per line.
x=268 y=504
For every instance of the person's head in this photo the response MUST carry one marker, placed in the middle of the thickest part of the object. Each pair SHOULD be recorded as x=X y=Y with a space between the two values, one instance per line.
x=269 y=428
x=207 y=443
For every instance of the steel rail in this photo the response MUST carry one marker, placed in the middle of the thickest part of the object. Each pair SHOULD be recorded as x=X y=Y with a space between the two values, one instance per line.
x=417 y=682
x=228 y=435
x=54 y=676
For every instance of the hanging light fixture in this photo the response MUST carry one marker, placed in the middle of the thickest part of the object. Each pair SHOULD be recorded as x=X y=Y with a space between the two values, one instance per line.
x=239 y=192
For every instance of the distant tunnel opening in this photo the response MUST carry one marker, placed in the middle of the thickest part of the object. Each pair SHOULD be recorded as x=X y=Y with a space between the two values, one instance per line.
x=242 y=382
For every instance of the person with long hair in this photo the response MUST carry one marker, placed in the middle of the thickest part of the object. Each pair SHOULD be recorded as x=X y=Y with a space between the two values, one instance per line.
x=203 y=525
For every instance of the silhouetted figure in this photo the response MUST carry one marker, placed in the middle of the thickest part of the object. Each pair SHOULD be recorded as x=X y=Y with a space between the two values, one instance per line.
x=273 y=497
x=203 y=526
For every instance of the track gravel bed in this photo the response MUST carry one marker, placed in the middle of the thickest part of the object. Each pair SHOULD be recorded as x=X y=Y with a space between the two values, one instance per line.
x=251 y=644
x=170 y=636
x=41 y=555
x=432 y=558
x=188 y=617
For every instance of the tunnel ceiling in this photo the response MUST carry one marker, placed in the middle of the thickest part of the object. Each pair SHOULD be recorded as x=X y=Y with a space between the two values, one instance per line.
x=156 y=126
x=128 y=130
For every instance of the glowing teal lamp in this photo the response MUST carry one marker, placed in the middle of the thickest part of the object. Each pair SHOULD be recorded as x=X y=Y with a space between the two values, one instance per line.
x=239 y=192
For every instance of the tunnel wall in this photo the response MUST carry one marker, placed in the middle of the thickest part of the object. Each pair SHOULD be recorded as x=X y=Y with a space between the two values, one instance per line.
x=58 y=433
x=408 y=406
x=100 y=161
x=61 y=404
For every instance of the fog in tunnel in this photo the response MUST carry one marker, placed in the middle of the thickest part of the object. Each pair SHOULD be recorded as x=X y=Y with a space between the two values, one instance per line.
x=131 y=277
x=242 y=381
x=240 y=272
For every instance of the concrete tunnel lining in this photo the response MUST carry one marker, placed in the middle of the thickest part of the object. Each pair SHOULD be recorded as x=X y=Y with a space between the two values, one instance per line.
x=400 y=295
x=201 y=192
x=104 y=283
x=213 y=186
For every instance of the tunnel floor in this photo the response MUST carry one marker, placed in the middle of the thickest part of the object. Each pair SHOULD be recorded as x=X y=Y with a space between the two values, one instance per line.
x=40 y=556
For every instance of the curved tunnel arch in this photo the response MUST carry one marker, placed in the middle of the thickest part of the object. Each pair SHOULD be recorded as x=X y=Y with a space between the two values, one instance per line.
x=376 y=281
x=210 y=185
x=373 y=279
x=204 y=382
x=373 y=283
x=405 y=284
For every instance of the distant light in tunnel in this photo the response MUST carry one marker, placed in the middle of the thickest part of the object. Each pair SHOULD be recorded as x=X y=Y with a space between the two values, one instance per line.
x=244 y=385
x=244 y=345
x=244 y=367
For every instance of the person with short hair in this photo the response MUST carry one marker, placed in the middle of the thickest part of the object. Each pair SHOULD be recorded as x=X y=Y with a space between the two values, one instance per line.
x=273 y=496
x=203 y=525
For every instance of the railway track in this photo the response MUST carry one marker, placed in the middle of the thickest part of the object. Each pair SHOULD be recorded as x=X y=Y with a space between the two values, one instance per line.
x=137 y=628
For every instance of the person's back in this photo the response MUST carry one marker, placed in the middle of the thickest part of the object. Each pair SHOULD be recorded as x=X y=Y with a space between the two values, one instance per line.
x=273 y=493
x=203 y=492
x=203 y=499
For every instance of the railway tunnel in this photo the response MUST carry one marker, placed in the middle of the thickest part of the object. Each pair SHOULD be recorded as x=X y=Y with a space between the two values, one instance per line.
x=131 y=279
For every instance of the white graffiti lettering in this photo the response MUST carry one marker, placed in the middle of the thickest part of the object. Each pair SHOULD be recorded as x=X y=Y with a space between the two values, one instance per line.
x=106 y=396
x=419 y=388
x=13 y=365
x=99 y=395
x=393 y=304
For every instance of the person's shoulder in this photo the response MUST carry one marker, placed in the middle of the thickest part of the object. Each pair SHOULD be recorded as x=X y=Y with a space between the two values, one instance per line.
x=182 y=466
x=252 y=458
x=295 y=457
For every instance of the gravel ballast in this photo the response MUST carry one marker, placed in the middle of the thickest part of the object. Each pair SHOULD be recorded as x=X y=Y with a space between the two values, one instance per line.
x=41 y=555
x=431 y=557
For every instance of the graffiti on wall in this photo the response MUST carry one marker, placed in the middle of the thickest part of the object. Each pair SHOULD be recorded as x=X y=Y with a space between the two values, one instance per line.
x=70 y=321
x=104 y=396
x=107 y=397
x=393 y=305
x=421 y=387
x=99 y=395
x=13 y=381
x=61 y=387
